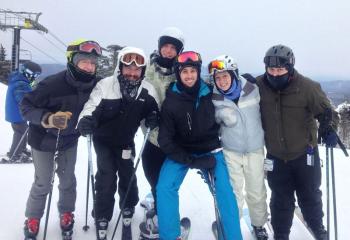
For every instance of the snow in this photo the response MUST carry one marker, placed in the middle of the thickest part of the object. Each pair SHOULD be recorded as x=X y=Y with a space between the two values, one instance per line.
x=195 y=199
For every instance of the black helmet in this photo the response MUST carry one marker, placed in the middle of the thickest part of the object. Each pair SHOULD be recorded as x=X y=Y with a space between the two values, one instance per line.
x=279 y=56
x=31 y=70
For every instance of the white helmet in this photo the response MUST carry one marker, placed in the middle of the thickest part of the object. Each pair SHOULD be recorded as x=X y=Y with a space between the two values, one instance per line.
x=140 y=62
x=174 y=36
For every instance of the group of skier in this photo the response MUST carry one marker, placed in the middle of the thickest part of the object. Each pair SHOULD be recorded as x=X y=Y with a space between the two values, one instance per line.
x=220 y=129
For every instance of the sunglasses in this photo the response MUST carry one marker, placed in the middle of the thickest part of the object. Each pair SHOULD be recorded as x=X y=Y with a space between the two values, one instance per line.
x=189 y=56
x=130 y=58
x=216 y=65
x=87 y=47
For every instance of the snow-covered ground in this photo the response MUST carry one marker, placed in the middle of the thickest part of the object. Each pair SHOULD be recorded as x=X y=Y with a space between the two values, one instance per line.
x=195 y=199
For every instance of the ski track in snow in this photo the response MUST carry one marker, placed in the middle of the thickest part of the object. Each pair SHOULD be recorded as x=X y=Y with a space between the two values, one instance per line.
x=195 y=199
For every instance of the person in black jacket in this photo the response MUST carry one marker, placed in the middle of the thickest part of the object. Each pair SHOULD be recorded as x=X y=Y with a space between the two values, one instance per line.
x=188 y=135
x=116 y=107
x=52 y=110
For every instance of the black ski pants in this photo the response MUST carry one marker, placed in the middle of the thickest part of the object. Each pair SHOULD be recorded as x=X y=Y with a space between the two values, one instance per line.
x=295 y=177
x=152 y=161
x=113 y=162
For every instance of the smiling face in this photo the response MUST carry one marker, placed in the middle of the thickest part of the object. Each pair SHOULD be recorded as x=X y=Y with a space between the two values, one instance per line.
x=223 y=80
x=87 y=65
x=168 y=50
x=131 y=72
x=189 y=76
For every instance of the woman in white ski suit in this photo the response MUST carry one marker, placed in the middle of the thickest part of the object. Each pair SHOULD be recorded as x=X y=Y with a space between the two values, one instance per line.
x=242 y=138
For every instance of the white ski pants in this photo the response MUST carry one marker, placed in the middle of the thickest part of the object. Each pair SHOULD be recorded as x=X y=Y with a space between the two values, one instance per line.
x=247 y=172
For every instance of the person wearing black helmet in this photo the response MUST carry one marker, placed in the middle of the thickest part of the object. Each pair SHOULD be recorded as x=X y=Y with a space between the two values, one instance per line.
x=290 y=104
x=52 y=110
x=19 y=84
x=160 y=73
x=189 y=136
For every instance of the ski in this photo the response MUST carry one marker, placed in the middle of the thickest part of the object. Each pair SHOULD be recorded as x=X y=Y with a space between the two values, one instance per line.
x=126 y=232
x=297 y=212
x=67 y=235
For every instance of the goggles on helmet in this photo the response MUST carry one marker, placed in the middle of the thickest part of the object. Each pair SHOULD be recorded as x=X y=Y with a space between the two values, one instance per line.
x=216 y=65
x=30 y=74
x=188 y=56
x=86 y=47
x=130 y=58
x=275 y=61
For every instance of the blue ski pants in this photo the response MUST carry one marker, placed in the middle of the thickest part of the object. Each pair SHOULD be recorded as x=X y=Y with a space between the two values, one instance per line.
x=171 y=177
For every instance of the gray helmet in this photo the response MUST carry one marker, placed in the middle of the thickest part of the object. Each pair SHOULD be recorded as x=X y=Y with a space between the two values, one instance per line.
x=279 y=56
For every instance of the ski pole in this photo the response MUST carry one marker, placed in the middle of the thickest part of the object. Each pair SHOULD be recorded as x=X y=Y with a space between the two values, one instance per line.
x=52 y=182
x=334 y=198
x=19 y=143
x=86 y=226
x=131 y=180
x=327 y=189
x=92 y=179
x=217 y=212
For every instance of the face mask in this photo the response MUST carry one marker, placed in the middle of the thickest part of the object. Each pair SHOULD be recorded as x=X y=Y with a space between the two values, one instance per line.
x=278 y=82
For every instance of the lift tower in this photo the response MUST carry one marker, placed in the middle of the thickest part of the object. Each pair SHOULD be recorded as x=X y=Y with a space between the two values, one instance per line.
x=18 y=21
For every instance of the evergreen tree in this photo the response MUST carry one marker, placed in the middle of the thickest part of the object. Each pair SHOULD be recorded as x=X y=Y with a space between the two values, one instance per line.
x=344 y=124
x=2 y=53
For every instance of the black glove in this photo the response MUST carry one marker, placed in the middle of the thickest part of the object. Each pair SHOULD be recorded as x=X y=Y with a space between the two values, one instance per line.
x=152 y=120
x=86 y=125
x=203 y=162
x=329 y=137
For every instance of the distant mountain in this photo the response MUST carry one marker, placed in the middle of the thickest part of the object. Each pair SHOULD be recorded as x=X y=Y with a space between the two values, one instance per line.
x=337 y=90
x=49 y=69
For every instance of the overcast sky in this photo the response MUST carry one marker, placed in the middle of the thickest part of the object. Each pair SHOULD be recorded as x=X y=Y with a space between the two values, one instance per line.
x=318 y=31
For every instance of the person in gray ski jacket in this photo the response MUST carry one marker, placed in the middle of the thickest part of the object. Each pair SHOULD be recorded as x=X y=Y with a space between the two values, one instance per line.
x=237 y=110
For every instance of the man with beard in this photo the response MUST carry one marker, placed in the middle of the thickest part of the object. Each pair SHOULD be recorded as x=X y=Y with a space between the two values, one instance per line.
x=113 y=114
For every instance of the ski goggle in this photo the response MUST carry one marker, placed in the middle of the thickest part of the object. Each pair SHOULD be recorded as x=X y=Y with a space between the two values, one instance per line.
x=86 y=47
x=130 y=58
x=188 y=56
x=216 y=65
x=274 y=61
x=30 y=74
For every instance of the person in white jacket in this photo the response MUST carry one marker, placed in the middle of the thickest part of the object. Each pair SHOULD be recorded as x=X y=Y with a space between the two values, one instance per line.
x=237 y=110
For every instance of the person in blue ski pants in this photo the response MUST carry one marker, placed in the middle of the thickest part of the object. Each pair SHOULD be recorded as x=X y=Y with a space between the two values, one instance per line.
x=188 y=135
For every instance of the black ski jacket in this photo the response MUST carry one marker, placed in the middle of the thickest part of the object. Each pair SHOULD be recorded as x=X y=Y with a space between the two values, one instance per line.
x=188 y=125
x=59 y=92
x=117 y=119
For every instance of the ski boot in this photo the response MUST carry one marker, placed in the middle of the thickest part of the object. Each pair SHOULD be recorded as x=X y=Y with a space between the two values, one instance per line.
x=67 y=223
x=260 y=233
x=149 y=227
x=101 y=226
x=27 y=152
x=31 y=228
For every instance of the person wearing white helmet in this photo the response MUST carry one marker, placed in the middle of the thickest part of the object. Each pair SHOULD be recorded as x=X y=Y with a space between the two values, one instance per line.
x=237 y=110
x=112 y=115
x=160 y=73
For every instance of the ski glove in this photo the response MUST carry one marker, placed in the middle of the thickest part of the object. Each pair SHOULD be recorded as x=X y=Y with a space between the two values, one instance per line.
x=56 y=120
x=152 y=120
x=87 y=125
x=203 y=162
x=330 y=138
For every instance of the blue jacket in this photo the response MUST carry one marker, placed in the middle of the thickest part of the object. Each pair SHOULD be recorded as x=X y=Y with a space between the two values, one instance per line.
x=18 y=85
